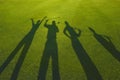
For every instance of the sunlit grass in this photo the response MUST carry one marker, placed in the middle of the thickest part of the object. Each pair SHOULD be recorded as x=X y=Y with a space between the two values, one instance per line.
x=101 y=15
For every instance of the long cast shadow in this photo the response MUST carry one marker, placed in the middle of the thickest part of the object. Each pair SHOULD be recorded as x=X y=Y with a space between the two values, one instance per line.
x=107 y=44
x=87 y=64
x=50 y=51
x=25 y=44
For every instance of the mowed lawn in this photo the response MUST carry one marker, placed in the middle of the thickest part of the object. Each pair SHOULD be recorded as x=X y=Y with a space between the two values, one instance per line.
x=103 y=16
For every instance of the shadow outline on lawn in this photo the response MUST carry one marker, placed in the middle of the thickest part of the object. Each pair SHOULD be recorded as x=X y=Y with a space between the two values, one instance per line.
x=90 y=69
x=50 y=51
x=106 y=42
x=24 y=44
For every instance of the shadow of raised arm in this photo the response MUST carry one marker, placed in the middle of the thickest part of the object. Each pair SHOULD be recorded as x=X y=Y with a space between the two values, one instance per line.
x=65 y=32
x=46 y=25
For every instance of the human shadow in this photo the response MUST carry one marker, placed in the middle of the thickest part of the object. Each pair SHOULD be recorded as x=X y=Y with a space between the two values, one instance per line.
x=107 y=44
x=24 y=44
x=87 y=64
x=50 y=51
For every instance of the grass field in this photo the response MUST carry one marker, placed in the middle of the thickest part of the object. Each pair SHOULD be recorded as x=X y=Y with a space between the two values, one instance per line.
x=99 y=57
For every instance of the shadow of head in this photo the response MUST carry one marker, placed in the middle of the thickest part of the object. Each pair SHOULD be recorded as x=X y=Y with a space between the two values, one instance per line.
x=66 y=23
x=53 y=23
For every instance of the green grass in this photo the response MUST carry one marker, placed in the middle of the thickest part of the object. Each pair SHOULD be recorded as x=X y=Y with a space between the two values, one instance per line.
x=101 y=15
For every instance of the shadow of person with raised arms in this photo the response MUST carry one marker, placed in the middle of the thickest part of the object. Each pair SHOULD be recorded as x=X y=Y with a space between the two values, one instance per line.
x=107 y=44
x=24 y=45
x=50 y=51
x=87 y=64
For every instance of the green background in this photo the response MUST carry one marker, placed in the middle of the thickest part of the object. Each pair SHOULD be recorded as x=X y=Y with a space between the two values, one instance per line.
x=101 y=15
